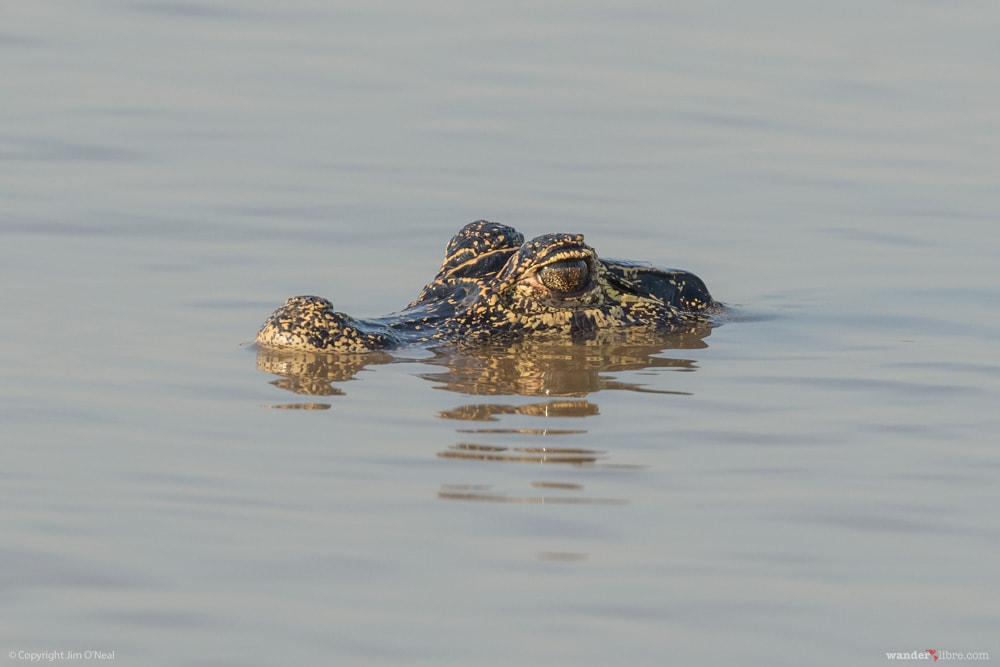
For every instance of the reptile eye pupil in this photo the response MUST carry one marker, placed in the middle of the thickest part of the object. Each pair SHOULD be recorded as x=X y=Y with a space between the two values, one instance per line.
x=568 y=276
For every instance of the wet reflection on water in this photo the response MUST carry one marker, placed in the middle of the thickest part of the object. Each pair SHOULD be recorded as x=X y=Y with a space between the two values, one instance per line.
x=525 y=368
x=483 y=492
x=299 y=406
x=468 y=450
x=487 y=412
x=558 y=368
x=312 y=374
x=563 y=374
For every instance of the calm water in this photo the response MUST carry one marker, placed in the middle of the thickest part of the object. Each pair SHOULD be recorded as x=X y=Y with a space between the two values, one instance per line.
x=814 y=482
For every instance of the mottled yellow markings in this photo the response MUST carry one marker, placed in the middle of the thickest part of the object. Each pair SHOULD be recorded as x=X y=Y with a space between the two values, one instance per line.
x=485 y=299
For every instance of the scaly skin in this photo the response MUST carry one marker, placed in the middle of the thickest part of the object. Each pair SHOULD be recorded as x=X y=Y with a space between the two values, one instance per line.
x=493 y=286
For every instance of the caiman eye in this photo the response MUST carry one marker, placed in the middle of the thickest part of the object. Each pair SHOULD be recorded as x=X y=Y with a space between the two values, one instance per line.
x=571 y=275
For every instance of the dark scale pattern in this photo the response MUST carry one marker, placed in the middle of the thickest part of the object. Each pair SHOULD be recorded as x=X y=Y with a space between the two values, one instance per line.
x=494 y=286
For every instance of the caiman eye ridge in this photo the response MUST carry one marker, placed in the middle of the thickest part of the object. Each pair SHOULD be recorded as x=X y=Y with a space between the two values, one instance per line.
x=495 y=287
x=567 y=277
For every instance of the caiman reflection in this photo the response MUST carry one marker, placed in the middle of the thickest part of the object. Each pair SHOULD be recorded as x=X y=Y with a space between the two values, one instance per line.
x=557 y=378
x=525 y=368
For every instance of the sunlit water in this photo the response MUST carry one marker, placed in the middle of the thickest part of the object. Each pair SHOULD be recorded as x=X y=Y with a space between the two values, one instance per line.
x=812 y=482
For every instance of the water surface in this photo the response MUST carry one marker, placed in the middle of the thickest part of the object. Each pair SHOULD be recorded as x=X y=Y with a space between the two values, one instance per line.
x=814 y=481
